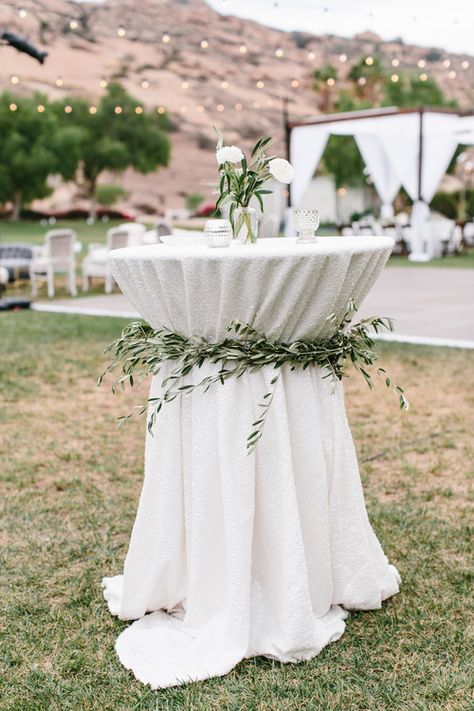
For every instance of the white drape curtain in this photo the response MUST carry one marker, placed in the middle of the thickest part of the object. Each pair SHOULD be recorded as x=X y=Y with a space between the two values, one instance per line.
x=386 y=181
x=307 y=145
x=390 y=147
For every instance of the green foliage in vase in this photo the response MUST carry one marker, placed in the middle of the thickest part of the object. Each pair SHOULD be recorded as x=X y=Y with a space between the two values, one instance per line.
x=242 y=179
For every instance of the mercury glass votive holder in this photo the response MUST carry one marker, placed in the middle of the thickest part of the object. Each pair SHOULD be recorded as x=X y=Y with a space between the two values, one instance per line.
x=218 y=233
x=306 y=222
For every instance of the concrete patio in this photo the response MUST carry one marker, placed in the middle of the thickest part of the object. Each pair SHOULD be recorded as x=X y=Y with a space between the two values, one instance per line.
x=429 y=305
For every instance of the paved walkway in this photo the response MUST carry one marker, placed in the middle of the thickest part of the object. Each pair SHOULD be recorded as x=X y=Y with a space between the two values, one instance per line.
x=429 y=304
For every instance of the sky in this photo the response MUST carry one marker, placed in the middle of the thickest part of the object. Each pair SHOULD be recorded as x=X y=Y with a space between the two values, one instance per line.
x=448 y=24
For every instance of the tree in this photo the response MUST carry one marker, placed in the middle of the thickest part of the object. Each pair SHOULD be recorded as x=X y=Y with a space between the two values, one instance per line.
x=119 y=135
x=368 y=75
x=33 y=146
x=324 y=80
x=411 y=92
x=107 y=195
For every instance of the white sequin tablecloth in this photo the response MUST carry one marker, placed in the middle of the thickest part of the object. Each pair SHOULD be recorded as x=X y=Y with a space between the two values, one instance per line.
x=236 y=555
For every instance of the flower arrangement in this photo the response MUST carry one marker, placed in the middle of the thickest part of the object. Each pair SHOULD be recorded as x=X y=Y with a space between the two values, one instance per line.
x=242 y=179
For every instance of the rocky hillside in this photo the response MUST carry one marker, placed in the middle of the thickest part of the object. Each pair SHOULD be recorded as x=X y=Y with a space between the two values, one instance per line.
x=205 y=69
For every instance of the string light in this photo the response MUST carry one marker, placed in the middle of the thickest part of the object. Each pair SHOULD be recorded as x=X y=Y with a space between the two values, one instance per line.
x=452 y=75
x=200 y=108
x=330 y=81
x=465 y=64
x=394 y=78
x=220 y=107
x=185 y=84
x=242 y=49
x=342 y=192
x=256 y=104
x=423 y=77
x=59 y=81
x=22 y=13
x=73 y=25
x=40 y=109
x=311 y=56
x=13 y=107
x=68 y=109
x=260 y=84
x=204 y=44
x=161 y=109
x=103 y=83
x=14 y=79
x=238 y=107
x=145 y=84
x=421 y=63
x=343 y=58
x=395 y=62
x=447 y=63
x=138 y=110
x=166 y=39
x=270 y=102
x=121 y=31
x=118 y=109
x=92 y=110
x=362 y=81
x=294 y=83
x=224 y=84
x=183 y=109
x=279 y=53
x=369 y=61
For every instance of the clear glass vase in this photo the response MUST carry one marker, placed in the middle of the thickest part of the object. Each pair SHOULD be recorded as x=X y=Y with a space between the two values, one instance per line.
x=245 y=225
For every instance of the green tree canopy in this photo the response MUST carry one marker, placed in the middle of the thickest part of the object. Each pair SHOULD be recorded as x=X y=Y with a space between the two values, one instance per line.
x=411 y=92
x=119 y=135
x=33 y=146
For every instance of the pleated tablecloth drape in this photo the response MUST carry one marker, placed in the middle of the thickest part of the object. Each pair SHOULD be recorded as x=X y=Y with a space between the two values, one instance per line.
x=235 y=555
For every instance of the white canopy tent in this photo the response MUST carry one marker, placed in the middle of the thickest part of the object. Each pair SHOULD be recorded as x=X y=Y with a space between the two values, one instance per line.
x=410 y=148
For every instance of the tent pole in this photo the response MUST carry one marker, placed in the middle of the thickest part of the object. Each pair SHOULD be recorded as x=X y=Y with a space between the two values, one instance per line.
x=287 y=135
x=420 y=156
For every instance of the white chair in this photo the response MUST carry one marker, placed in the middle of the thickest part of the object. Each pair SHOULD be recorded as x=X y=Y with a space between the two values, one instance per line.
x=269 y=226
x=153 y=236
x=136 y=231
x=56 y=257
x=96 y=264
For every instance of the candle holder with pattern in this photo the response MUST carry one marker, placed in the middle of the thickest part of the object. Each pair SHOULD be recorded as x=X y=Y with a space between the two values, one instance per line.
x=306 y=222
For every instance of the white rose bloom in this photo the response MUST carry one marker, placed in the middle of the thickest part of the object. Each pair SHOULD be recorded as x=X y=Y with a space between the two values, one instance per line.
x=229 y=154
x=281 y=170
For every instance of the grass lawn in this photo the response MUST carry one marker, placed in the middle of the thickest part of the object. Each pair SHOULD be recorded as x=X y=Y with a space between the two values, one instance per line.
x=69 y=484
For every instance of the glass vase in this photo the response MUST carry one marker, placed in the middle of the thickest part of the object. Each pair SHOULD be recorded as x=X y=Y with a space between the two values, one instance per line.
x=245 y=225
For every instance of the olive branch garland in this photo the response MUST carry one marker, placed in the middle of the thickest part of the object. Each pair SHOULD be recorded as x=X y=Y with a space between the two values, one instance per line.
x=141 y=351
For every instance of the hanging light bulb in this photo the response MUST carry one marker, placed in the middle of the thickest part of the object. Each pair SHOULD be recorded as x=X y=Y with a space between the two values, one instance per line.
x=243 y=49
x=421 y=63
x=121 y=31
x=185 y=84
x=68 y=109
x=294 y=83
x=138 y=110
x=59 y=81
x=145 y=84
x=256 y=104
x=330 y=81
x=14 y=79
x=238 y=106
x=13 y=107
x=279 y=53
x=41 y=108
x=161 y=109
x=200 y=108
x=220 y=107
x=311 y=56
x=395 y=62
x=343 y=58
x=73 y=25
x=166 y=39
x=22 y=13
x=465 y=64
x=394 y=78
x=204 y=44
x=423 y=77
x=92 y=110
x=260 y=84
x=118 y=109
x=452 y=75
x=369 y=61
x=447 y=63
x=224 y=84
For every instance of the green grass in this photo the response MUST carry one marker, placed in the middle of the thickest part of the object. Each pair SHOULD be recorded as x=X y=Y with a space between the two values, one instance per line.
x=69 y=485
x=458 y=261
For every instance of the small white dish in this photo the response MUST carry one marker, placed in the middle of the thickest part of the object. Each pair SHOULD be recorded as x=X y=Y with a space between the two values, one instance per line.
x=184 y=238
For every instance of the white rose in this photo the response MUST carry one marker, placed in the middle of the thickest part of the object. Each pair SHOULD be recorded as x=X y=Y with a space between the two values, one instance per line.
x=281 y=170
x=229 y=154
